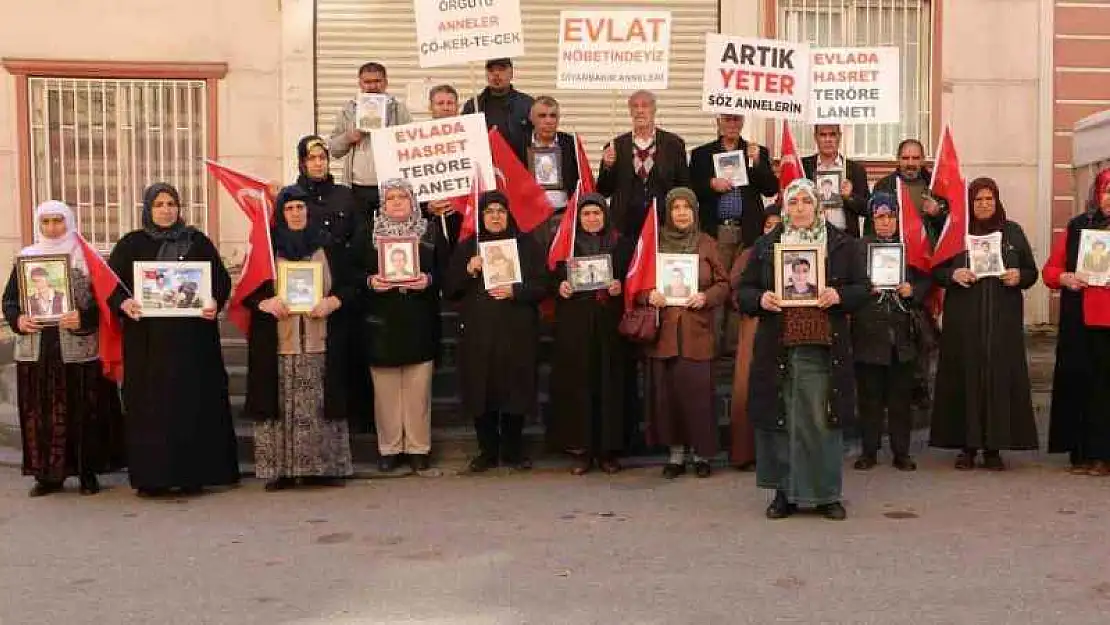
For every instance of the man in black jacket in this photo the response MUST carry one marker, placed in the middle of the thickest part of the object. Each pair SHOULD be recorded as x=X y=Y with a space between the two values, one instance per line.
x=853 y=194
x=545 y=137
x=504 y=107
x=911 y=169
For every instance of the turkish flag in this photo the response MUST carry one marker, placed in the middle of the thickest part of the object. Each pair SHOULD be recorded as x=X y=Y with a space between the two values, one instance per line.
x=949 y=183
x=105 y=282
x=641 y=272
x=468 y=205
x=912 y=229
x=253 y=197
x=585 y=172
x=790 y=166
x=562 y=246
x=527 y=199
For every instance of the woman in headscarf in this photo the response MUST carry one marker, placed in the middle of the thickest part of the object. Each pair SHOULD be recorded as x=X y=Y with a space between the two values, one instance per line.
x=296 y=388
x=499 y=337
x=179 y=431
x=741 y=452
x=983 y=401
x=1080 y=423
x=589 y=359
x=680 y=398
x=802 y=387
x=69 y=413
x=402 y=331
x=885 y=348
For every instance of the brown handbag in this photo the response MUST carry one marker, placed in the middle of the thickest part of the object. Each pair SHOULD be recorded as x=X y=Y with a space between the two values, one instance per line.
x=640 y=324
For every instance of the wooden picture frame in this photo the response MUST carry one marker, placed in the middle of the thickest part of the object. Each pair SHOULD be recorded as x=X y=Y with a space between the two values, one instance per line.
x=300 y=285
x=46 y=274
x=786 y=273
x=172 y=288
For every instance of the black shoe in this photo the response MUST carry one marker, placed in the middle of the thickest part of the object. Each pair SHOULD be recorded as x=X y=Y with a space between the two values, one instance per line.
x=965 y=461
x=277 y=484
x=747 y=467
x=833 y=511
x=780 y=508
x=190 y=491
x=865 y=462
x=672 y=470
x=482 y=463
x=151 y=492
x=420 y=462
x=992 y=461
x=518 y=464
x=387 y=464
x=702 y=469
x=42 y=488
x=89 y=485
x=904 y=463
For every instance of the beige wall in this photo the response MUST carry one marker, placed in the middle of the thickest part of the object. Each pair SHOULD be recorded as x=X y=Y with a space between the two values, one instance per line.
x=245 y=34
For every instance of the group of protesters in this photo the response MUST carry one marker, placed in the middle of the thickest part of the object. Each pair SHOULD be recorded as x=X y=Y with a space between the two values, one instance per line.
x=802 y=373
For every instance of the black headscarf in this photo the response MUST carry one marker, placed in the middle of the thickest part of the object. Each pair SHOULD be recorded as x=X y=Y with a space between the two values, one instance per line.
x=994 y=223
x=882 y=199
x=495 y=197
x=295 y=244
x=176 y=238
x=600 y=242
x=316 y=186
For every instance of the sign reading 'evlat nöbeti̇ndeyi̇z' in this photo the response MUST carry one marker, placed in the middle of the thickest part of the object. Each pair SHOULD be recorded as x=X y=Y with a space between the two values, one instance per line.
x=614 y=49
x=456 y=32
x=438 y=156
x=745 y=76
x=855 y=86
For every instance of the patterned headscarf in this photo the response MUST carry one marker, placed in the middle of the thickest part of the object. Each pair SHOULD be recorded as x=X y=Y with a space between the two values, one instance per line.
x=413 y=225
x=816 y=232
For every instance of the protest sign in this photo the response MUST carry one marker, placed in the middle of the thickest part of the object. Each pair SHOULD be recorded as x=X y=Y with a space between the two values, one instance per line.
x=614 y=49
x=745 y=76
x=855 y=86
x=456 y=32
x=436 y=156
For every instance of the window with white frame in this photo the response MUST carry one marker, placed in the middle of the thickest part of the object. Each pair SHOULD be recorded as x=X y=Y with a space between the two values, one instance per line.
x=905 y=24
x=97 y=143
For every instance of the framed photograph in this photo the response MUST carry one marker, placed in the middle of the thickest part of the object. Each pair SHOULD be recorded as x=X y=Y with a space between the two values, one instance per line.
x=45 y=293
x=1094 y=256
x=590 y=273
x=300 y=285
x=828 y=188
x=546 y=165
x=500 y=263
x=984 y=255
x=799 y=273
x=731 y=166
x=371 y=111
x=399 y=259
x=886 y=265
x=172 y=288
x=676 y=277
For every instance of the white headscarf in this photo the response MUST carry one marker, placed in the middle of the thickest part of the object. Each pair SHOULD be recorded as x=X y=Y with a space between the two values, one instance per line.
x=816 y=232
x=65 y=244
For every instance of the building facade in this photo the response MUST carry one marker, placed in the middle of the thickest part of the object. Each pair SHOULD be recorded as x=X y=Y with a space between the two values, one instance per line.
x=90 y=116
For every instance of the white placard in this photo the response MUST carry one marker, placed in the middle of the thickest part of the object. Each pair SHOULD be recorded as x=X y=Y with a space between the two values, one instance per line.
x=614 y=49
x=457 y=32
x=437 y=156
x=855 y=86
x=763 y=77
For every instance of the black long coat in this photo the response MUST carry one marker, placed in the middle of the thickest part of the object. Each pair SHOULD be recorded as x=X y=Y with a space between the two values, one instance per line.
x=262 y=357
x=175 y=387
x=983 y=400
x=498 y=339
x=845 y=271
x=588 y=367
x=883 y=327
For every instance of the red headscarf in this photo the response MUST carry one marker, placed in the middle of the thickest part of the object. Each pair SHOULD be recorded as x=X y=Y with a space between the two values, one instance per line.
x=993 y=223
x=1102 y=181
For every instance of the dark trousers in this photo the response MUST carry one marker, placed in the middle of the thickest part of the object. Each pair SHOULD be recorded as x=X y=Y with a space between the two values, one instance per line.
x=500 y=436
x=367 y=199
x=884 y=394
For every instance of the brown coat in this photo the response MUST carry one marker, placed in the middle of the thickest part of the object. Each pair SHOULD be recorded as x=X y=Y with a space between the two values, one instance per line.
x=742 y=448
x=689 y=333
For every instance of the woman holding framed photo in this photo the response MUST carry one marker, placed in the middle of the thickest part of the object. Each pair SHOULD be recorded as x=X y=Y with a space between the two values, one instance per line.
x=296 y=379
x=499 y=337
x=401 y=325
x=802 y=382
x=589 y=358
x=65 y=402
x=680 y=400
x=982 y=345
x=179 y=431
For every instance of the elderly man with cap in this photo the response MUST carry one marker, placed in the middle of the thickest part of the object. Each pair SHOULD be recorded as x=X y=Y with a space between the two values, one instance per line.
x=504 y=107
x=884 y=347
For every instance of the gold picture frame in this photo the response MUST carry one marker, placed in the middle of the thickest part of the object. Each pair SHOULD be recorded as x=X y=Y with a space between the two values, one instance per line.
x=799 y=262
x=49 y=274
x=300 y=285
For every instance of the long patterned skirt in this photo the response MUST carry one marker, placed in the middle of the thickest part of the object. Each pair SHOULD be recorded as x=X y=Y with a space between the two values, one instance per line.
x=302 y=443
x=69 y=416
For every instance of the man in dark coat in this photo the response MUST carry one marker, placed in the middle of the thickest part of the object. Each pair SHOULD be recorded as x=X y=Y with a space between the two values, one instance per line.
x=505 y=108
x=853 y=181
x=545 y=121
x=911 y=169
x=641 y=166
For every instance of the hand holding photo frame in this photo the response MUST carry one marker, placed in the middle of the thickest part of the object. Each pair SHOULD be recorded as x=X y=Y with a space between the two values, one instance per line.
x=399 y=259
x=799 y=273
x=500 y=263
x=300 y=285
x=886 y=265
x=984 y=255
x=828 y=188
x=589 y=273
x=731 y=166
x=676 y=277
x=371 y=111
x=45 y=293
x=173 y=288
x=1094 y=256
x=546 y=165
